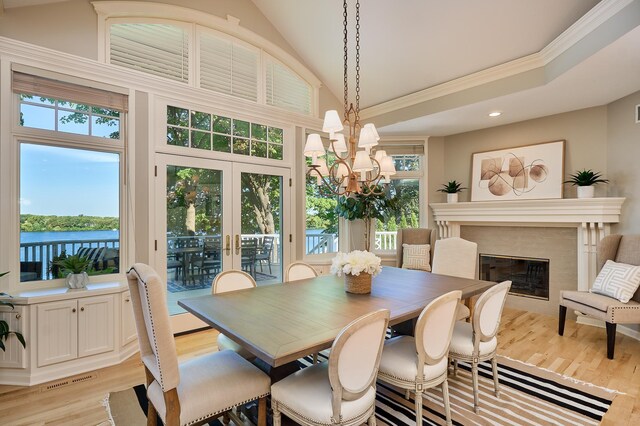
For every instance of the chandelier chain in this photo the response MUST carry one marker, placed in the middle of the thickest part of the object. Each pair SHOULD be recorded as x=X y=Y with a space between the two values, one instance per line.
x=357 y=60
x=346 y=59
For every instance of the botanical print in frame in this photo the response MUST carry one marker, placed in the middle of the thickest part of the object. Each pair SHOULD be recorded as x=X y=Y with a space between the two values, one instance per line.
x=532 y=172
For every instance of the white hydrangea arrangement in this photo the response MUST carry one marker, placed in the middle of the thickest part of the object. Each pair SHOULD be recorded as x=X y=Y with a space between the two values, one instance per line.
x=355 y=263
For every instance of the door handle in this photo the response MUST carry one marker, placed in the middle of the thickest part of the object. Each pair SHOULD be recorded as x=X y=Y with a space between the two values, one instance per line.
x=237 y=244
x=228 y=245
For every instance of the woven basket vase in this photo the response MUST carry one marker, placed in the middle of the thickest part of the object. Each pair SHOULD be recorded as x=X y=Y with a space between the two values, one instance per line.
x=358 y=284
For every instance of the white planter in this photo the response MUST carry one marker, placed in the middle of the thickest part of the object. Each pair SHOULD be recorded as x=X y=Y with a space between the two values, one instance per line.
x=78 y=280
x=586 y=191
x=452 y=198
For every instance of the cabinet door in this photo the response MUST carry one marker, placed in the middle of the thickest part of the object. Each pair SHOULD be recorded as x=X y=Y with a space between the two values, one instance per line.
x=57 y=329
x=95 y=325
x=13 y=357
x=127 y=321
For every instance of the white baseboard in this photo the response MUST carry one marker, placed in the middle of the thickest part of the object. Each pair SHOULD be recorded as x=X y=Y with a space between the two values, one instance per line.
x=634 y=334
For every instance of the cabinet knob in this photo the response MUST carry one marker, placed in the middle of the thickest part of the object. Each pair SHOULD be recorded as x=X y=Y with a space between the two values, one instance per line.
x=82 y=309
x=73 y=310
x=18 y=316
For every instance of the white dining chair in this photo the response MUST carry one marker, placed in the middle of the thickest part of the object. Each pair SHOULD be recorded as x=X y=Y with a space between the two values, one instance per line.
x=342 y=390
x=299 y=271
x=421 y=362
x=476 y=341
x=191 y=392
x=232 y=280
x=457 y=258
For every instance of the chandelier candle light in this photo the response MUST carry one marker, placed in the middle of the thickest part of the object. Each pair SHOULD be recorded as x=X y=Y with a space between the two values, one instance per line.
x=356 y=169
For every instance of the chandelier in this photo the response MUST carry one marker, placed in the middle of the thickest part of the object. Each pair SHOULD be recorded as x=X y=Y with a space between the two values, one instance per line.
x=357 y=167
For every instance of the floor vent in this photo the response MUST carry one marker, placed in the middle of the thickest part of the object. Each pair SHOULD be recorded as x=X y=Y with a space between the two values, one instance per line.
x=83 y=378
x=67 y=382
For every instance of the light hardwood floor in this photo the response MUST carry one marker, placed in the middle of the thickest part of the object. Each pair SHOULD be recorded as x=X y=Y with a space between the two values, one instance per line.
x=525 y=336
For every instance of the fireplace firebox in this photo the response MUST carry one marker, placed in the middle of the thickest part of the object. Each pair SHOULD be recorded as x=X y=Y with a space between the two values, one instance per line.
x=529 y=276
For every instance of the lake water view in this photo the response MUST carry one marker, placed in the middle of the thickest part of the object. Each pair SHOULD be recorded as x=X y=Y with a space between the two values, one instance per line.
x=36 y=237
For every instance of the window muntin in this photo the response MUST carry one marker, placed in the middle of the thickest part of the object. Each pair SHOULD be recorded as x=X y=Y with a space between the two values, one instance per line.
x=211 y=132
x=69 y=205
x=44 y=113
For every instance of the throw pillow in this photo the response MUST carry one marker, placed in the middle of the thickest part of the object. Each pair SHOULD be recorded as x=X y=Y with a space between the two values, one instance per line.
x=617 y=280
x=416 y=256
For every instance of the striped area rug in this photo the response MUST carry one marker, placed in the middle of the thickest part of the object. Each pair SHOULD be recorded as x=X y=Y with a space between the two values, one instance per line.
x=528 y=396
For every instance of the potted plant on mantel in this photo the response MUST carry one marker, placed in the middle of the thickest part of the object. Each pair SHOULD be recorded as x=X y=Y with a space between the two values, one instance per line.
x=4 y=326
x=75 y=269
x=451 y=188
x=585 y=181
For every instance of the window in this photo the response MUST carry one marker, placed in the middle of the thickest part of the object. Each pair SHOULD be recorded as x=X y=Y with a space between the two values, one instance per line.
x=405 y=215
x=286 y=90
x=69 y=205
x=211 y=132
x=407 y=163
x=322 y=222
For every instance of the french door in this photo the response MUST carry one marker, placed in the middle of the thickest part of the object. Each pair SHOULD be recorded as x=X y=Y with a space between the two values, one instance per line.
x=213 y=216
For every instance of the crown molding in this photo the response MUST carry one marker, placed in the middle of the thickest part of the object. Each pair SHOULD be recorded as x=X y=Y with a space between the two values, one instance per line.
x=600 y=14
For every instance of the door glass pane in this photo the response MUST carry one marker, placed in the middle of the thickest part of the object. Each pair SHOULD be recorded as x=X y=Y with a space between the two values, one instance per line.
x=194 y=232
x=261 y=203
x=405 y=215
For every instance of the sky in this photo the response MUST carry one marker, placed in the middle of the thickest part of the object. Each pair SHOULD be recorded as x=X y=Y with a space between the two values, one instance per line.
x=68 y=182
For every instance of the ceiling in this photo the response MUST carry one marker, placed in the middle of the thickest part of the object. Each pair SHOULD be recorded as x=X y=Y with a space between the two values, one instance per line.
x=418 y=45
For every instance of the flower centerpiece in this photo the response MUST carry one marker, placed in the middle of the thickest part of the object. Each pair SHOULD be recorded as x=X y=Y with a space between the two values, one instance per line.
x=358 y=268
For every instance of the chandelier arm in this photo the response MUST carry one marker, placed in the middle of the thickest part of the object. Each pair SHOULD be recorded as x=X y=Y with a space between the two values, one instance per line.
x=325 y=181
x=333 y=170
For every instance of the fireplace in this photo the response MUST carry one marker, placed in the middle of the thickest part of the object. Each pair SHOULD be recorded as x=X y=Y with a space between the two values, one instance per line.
x=529 y=275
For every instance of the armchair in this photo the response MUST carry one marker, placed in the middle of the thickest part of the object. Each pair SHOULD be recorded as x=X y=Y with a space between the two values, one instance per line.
x=415 y=236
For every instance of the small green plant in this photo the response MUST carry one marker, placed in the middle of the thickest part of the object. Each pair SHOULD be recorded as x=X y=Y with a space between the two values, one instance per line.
x=586 y=178
x=73 y=264
x=4 y=326
x=451 y=187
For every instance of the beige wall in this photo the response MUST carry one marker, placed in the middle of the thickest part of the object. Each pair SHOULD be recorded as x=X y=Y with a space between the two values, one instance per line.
x=623 y=152
x=585 y=132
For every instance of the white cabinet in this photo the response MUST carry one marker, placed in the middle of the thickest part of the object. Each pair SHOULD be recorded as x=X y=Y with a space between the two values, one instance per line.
x=13 y=356
x=57 y=332
x=128 y=331
x=95 y=325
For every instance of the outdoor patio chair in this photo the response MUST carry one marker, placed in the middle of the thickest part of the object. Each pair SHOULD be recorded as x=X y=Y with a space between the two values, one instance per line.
x=249 y=250
x=264 y=254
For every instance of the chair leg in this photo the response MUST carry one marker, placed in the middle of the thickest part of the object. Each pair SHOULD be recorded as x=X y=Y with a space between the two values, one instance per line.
x=474 y=374
x=226 y=419
x=418 y=402
x=277 y=418
x=562 y=316
x=152 y=415
x=262 y=411
x=611 y=339
x=315 y=358
x=372 y=419
x=445 y=399
x=455 y=367
x=496 y=383
x=407 y=394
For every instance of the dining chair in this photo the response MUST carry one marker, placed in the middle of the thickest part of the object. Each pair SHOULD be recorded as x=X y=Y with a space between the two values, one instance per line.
x=264 y=252
x=232 y=280
x=421 y=362
x=476 y=341
x=192 y=392
x=414 y=236
x=299 y=271
x=340 y=391
x=457 y=258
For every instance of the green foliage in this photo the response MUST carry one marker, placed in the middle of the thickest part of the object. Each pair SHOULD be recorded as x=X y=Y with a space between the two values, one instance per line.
x=451 y=187
x=5 y=332
x=405 y=209
x=38 y=223
x=363 y=206
x=321 y=208
x=73 y=264
x=586 y=178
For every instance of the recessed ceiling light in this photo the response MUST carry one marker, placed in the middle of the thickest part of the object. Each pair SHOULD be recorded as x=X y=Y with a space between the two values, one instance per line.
x=494 y=114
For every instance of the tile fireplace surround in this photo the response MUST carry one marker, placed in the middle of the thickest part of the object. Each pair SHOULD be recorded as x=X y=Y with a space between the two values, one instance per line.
x=591 y=218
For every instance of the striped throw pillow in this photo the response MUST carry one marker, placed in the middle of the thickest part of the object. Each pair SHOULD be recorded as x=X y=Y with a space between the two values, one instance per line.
x=416 y=256
x=617 y=280
x=92 y=253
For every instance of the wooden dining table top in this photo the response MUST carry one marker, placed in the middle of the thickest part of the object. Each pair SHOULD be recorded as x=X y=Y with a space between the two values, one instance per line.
x=280 y=323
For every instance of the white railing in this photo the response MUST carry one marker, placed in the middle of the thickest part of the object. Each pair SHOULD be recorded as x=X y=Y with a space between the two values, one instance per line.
x=321 y=243
x=386 y=240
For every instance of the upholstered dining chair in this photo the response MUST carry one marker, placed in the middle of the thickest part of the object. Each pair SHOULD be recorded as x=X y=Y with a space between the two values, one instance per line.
x=232 y=280
x=620 y=249
x=421 y=362
x=414 y=236
x=299 y=271
x=192 y=392
x=342 y=390
x=456 y=257
x=476 y=341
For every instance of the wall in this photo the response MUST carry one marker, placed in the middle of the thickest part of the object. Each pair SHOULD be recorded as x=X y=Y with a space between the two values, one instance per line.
x=623 y=151
x=585 y=132
x=435 y=164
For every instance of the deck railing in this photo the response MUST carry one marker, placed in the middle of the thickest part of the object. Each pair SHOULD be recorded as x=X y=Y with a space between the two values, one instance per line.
x=386 y=240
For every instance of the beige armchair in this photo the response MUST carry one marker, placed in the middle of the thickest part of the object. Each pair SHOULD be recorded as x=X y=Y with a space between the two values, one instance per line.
x=622 y=249
x=415 y=236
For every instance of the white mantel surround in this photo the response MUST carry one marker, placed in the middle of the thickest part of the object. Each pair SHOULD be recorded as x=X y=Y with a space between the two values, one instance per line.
x=591 y=217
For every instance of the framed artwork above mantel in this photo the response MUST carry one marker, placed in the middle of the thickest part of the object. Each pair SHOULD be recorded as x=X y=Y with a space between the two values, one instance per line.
x=532 y=172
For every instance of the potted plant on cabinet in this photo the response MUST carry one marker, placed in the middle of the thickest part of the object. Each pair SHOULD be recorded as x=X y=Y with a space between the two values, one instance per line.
x=75 y=269
x=4 y=326
x=585 y=181
x=451 y=188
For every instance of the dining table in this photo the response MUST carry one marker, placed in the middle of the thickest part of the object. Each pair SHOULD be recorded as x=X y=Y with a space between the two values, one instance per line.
x=280 y=323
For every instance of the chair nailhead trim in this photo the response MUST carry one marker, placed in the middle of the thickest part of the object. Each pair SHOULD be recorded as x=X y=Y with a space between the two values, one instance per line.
x=628 y=308
x=208 y=416
x=302 y=416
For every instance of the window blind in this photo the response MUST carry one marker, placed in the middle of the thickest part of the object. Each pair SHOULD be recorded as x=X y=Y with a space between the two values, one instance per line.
x=286 y=90
x=49 y=88
x=402 y=149
x=157 y=49
x=228 y=67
